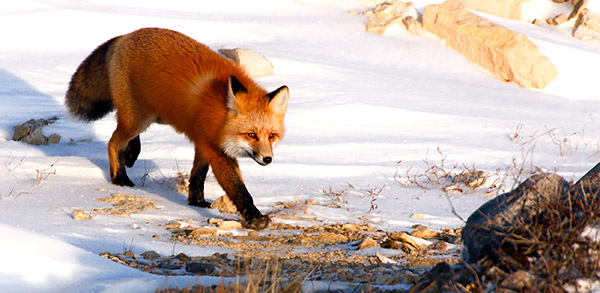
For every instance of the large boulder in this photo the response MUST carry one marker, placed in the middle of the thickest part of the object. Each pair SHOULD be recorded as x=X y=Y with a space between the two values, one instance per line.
x=508 y=55
x=508 y=221
x=490 y=225
x=504 y=8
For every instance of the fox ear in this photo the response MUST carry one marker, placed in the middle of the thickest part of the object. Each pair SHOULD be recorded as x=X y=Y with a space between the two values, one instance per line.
x=278 y=99
x=235 y=88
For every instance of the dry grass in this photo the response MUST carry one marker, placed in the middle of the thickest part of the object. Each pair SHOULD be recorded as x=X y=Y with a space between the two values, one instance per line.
x=449 y=178
x=258 y=276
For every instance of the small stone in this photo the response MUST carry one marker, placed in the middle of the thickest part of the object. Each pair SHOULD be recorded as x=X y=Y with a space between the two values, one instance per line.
x=559 y=19
x=408 y=244
x=367 y=242
x=423 y=232
x=517 y=281
x=54 y=138
x=204 y=232
x=332 y=238
x=168 y=266
x=412 y=25
x=150 y=255
x=214 y=221
x=224 y=205
x=391 y=244
x=129 y=254
x=200 y=268
x=417 y=216
x=80 y=215
x=384 y=259
x=439 y=245
x=20 y=132
x=183 y=257
x=228 y=225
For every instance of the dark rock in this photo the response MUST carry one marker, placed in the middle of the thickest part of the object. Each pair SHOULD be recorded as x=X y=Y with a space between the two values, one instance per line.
x=200 y=268
x=489 y=225
x=168 y=266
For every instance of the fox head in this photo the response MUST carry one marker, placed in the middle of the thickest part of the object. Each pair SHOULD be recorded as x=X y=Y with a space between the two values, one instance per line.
x=255 y=121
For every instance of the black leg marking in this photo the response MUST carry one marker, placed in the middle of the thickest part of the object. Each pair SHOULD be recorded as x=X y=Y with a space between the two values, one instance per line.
x=132 y=151
x=121 y=178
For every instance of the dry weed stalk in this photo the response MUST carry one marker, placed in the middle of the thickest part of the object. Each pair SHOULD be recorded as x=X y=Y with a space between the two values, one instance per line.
x=451 y=179
x=35 y=182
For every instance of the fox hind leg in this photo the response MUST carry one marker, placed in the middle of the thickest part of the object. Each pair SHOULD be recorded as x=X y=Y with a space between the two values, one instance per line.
x=124 y=146
x=132 y=151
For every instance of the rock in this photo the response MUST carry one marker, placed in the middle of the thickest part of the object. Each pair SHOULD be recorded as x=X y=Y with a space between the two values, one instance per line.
x=510 y=9
x=423 y=232
x=389 y=13
x=557 y=20
x=412 y=25
x=129 y=254
x=506 y=54
x=439 y=245
x=417 y=216
x=54 y=138
x=441 y=278
x=229 y=225
x=254 y=64
x=367 y=242
x=80 y=215
x=578 y=8
x=150 y=255
x=384 y=259
x=487 y=227
x=408 y=244
x=200 y=268
x=517 y=281
x=204 y=232
x=224 y=205
x=587 y=27
x=390 y=243
x=183 y=257
x=31 y=132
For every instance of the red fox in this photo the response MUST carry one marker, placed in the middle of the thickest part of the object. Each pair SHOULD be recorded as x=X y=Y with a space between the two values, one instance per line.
x=159 y=75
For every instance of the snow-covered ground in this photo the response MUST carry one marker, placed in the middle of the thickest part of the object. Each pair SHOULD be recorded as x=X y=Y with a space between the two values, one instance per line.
x=364 y=109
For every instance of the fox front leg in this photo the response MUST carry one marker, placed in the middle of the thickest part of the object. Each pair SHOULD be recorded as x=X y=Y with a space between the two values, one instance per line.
x=197 y=178
x=228 y=175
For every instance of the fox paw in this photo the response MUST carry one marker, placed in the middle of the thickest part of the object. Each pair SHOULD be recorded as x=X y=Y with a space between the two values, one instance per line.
x=202 y=204
x=257 y=223
x=122 y=181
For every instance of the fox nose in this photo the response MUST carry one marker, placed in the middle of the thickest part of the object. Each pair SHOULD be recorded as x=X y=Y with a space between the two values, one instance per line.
x=267 y=160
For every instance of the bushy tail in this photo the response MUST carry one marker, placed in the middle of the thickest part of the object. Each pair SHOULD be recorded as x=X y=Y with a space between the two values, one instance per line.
x=88 y=97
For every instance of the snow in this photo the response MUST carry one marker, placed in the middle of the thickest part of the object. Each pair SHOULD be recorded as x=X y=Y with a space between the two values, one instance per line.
x=363 y=108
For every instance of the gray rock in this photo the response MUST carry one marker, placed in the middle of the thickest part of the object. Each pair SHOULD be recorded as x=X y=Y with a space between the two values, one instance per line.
x=150 y=255
x=31 y=132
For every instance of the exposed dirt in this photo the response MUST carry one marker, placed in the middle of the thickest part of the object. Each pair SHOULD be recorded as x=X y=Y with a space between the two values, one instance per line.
x=321 y=252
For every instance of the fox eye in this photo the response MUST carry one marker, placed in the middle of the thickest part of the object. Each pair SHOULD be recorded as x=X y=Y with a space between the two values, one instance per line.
x=272 y=135
x=251 y=135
